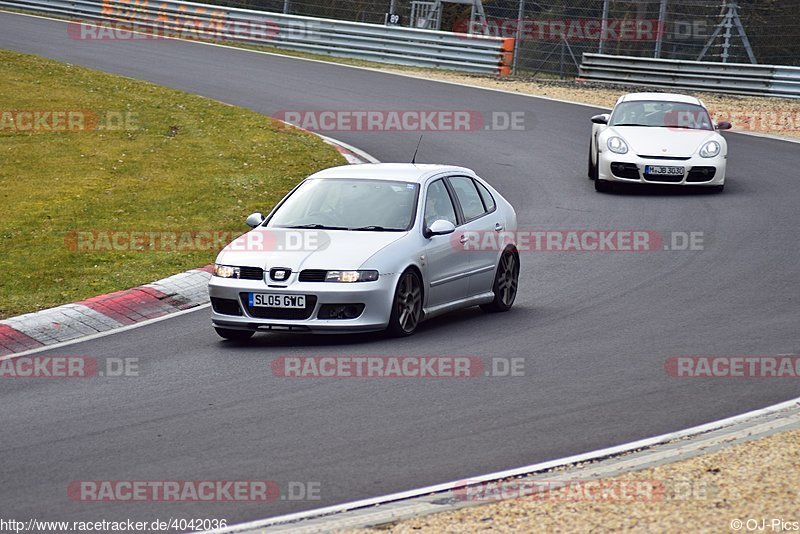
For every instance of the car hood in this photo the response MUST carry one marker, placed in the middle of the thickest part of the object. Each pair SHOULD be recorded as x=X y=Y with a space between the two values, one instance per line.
x=663 y=142
x=305 y=249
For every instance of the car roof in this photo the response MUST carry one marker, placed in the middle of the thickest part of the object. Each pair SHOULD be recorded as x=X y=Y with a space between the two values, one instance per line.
x=663 y=97
x=403 y=172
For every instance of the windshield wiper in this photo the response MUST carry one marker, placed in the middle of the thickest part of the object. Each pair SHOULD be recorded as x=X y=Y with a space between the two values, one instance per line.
x=316 y=226
x=632 y=124
x=375 y=228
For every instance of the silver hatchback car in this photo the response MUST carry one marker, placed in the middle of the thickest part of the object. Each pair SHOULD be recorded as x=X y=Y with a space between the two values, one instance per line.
x=369 y=247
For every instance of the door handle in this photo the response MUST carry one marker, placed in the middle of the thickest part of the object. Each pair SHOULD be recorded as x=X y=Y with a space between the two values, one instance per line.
x=463 y=239
x=498 y=227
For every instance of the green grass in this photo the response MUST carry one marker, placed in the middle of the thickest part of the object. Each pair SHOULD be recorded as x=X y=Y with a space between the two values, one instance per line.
x=182 y=163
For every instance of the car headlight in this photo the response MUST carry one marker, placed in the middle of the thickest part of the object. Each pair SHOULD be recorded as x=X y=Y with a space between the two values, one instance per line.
x=351 y=276
x=226 y=271
x=617 y=145
x=710 y=149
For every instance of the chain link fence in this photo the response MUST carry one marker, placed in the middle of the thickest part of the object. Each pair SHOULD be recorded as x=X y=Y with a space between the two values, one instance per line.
x=552 y=34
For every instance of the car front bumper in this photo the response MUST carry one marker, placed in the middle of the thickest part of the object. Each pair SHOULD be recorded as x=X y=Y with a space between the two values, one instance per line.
x=230 y=307
x=630 y=168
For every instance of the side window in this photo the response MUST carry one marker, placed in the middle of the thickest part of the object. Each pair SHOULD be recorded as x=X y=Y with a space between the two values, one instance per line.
x=438 y=204
x=488 y=201
x=468 y=197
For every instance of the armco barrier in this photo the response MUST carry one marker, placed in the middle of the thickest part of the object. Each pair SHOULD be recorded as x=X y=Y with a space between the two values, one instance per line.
x=385 y=44
x=732 y=78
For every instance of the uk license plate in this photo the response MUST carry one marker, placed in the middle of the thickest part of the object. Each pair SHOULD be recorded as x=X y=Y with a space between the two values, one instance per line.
x=276 y=300
x=663 y=170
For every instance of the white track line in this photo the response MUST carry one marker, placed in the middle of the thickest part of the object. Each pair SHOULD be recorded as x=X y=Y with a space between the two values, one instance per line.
x=351 y=148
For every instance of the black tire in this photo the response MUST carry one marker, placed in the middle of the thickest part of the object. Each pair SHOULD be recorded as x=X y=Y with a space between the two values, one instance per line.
x=406 y=306
x=234 y=335
x=592 y=164
x=506 y=283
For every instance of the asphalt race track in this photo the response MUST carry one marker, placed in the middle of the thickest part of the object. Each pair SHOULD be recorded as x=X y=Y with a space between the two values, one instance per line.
x=594 y=328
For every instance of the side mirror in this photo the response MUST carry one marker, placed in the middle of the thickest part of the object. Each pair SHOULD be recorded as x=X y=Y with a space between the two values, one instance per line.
x=601 y=119
x=440 y=227
x=724 y=125
x=254 y=220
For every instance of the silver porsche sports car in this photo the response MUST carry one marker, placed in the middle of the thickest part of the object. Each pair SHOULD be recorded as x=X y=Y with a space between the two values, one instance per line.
x=369 y=247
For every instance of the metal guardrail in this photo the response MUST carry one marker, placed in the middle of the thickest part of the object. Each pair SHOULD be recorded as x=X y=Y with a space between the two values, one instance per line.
x=732 y=78
x=384 y=44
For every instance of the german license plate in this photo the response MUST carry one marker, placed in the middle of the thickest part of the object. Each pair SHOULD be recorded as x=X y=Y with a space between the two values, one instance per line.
x=663 y=170
x=276 y=300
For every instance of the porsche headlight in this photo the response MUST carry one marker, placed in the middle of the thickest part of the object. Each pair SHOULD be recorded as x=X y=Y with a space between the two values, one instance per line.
x=351 y=276
x=710 y=150
x=226 y=271
x=617 y=145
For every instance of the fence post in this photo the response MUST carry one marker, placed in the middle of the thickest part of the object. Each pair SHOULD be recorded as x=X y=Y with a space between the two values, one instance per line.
x=603 y=28
x=662 y=15
x=518 y=40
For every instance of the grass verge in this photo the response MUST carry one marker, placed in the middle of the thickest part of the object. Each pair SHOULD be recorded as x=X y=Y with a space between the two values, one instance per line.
x=136 y=158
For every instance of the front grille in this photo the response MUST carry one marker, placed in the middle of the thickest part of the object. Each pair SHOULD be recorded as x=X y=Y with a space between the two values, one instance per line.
x=313 y=275
x=701 y=174
x=226 y=306
x=280 y=313
x=676 y=158
x=625 y=170
x=662 y=178
x=251 y=273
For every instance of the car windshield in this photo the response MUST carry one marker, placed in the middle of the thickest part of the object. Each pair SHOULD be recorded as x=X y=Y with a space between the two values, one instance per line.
x=661 y=114
x=349 y=204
